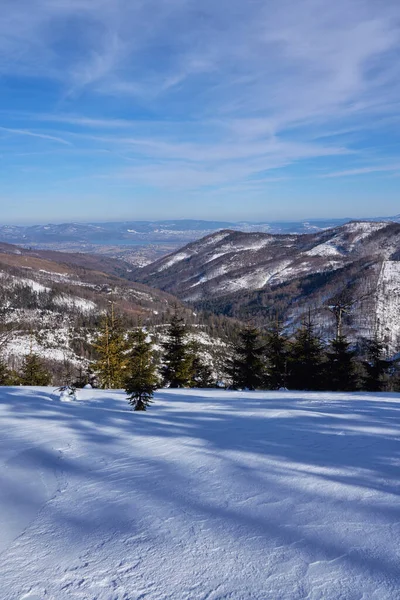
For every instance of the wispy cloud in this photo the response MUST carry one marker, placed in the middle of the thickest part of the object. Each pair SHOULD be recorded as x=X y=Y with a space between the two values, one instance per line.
x=186 y=95
x=42 y=136
x=364 y=171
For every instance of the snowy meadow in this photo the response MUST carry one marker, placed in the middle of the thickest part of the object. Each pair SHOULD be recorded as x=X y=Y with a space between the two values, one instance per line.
x=209 y=495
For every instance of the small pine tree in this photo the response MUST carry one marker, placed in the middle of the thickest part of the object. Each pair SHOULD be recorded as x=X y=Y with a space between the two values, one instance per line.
x=306 y=359
x=142 y=380
x=33 y=371
x=81 y=379
x=340 y=368
x=247 y=367
x=276 y=348
x=375 y=367
x=178 y=368
x=111 y=348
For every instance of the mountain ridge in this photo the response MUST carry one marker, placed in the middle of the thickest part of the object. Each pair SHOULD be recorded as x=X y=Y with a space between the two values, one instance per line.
x=256 y=275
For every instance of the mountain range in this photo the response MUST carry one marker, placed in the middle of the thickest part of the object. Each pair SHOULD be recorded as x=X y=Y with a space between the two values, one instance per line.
x=259 y=276
x=152 y=232
x=253 y=277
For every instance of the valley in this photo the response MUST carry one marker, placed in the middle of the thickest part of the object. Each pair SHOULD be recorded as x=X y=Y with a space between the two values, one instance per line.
x=52 y=302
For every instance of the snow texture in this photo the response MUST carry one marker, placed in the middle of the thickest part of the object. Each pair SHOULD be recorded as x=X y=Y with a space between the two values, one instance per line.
x=210 y=495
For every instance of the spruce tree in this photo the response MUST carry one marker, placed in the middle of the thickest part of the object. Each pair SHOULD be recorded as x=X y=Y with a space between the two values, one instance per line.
x=142 y=380
x=306 y=359
x=276 y=350
x=33 y=371
x=202 y=372
x=247 y=367
x=375 y=367
x=111 y=348
x=340 y=368
x=178 y=368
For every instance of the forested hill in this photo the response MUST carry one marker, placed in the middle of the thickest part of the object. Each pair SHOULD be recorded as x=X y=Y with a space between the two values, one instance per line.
x=53 y=302
x=258 y=276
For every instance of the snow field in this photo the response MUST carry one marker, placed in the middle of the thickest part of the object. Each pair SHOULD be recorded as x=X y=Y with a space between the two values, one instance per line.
x=210 y=495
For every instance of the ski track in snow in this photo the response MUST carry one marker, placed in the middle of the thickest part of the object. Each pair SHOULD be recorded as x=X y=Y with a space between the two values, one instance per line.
x=210 y=495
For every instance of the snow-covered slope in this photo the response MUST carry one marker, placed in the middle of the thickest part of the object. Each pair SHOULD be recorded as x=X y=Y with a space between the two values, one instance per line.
x=208 y=496
x=227 y=261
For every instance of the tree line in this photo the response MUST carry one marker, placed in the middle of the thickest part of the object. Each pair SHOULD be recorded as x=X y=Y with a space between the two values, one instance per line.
x=256 y=360
x=304 y=362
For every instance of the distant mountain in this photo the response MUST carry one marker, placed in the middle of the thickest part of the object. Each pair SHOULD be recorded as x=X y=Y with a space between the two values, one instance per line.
x=149 y=232
x=258 y=275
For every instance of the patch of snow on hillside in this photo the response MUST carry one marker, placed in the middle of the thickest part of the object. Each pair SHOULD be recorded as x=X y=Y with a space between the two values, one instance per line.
x=235 y=248
x=300 y=269
x=49 y=344
x=251 y=281
x=24 y=281
x=210 y=494
x=362 y=229
x=250 y=245
x=388 y=305
x=141 y=295
x=173 y=260
x=214 y=239
x=217 y=255
x=213 y=274
x=85 y=306
x=325 y=249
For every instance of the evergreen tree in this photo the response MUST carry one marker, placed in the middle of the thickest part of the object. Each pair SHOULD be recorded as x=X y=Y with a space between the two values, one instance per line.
x=340 y=369
x=375 y=367
x=13 y=377
x=4 y=374
x=33 y=371
x=306 y=359
x=142 y=380
x=247 y=367
x=178 y=368
x=202 y=372
x=276 y=348
x=81 y=379
x=111 y=348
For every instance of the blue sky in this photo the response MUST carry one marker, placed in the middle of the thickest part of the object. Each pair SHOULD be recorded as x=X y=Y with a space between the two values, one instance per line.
x=228 y=109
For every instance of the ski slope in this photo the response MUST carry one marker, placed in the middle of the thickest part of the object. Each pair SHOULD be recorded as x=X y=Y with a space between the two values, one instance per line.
x=210 y=495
